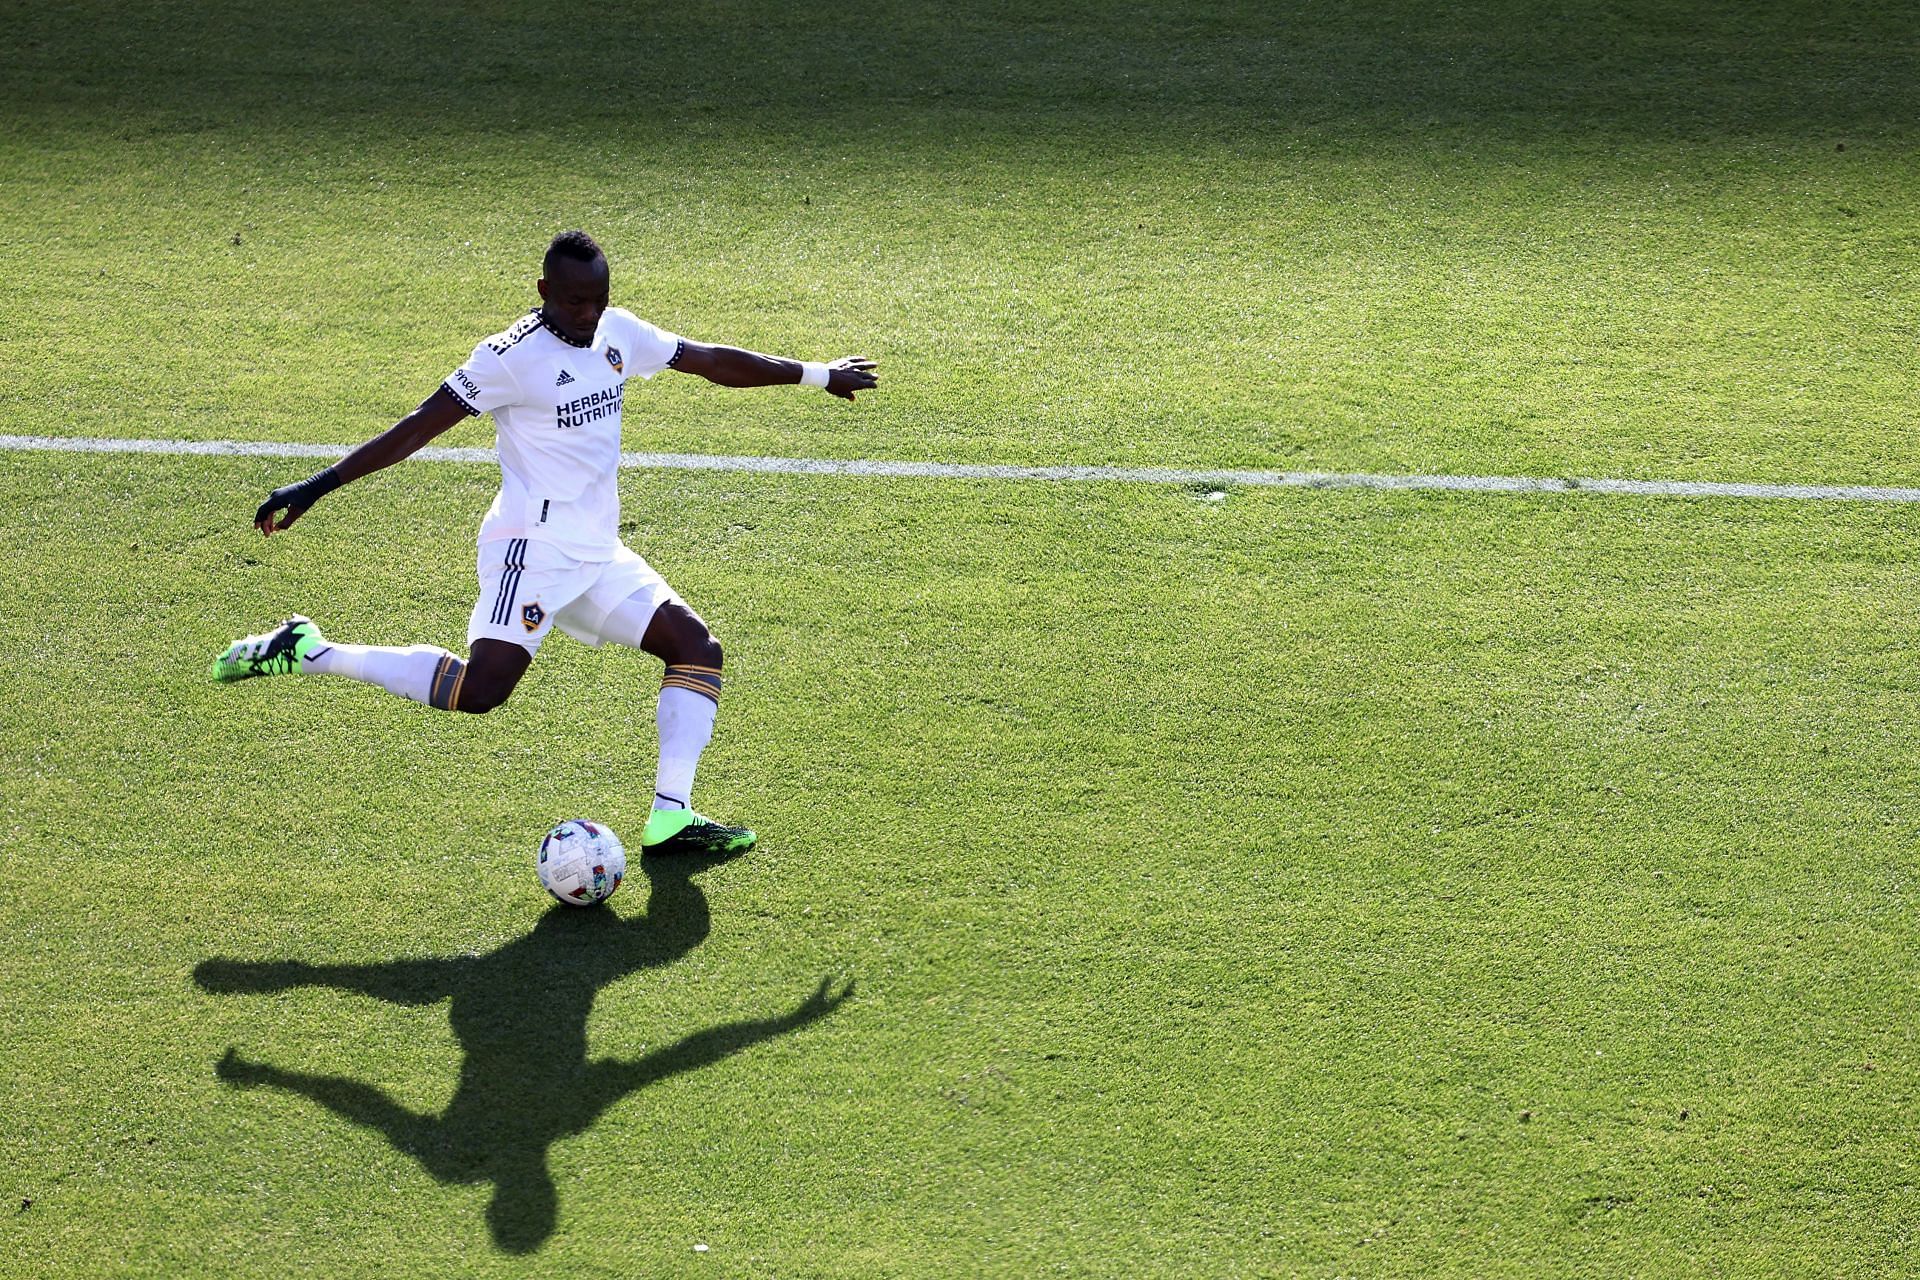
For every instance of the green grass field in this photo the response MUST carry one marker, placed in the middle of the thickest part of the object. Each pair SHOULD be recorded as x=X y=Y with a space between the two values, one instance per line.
x=1283 y=883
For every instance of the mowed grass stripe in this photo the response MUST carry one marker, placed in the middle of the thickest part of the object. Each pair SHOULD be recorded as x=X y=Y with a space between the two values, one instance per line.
x=963 y=471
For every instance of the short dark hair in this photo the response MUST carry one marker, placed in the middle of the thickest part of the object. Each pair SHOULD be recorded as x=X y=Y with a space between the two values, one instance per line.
x=577 y=245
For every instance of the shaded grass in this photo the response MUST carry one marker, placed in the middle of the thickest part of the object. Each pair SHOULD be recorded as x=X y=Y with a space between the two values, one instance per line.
x=1301 y=881
x=1705 y=70
x=1541 y=239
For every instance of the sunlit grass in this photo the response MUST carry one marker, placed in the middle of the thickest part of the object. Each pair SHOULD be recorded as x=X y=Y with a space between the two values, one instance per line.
x=1292 y=883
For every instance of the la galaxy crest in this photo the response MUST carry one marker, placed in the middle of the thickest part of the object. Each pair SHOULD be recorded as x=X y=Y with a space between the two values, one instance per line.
x=618 y=361
x=532 y=615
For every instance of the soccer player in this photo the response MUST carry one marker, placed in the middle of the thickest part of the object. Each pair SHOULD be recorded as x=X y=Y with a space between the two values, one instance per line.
x=550 y=549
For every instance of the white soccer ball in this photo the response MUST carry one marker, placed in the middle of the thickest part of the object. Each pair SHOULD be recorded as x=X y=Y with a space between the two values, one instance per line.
x=582 y=863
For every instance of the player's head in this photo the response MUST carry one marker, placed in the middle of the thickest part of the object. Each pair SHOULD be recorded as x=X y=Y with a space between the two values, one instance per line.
x=573 y=284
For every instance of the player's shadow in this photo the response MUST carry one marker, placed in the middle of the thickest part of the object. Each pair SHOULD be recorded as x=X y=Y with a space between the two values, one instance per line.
x=520 y=1014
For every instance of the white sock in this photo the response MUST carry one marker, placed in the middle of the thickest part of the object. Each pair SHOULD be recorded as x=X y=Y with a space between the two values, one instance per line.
x=407 y=672
x=686 y=726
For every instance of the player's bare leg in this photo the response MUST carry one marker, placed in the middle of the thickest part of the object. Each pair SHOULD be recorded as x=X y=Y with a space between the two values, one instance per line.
x=494 y=668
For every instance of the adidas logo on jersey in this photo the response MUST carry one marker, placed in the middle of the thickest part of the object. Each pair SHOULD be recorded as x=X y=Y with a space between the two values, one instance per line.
x=563 y=379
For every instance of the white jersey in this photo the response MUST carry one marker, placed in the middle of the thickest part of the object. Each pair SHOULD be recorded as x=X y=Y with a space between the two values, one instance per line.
x=556 y=413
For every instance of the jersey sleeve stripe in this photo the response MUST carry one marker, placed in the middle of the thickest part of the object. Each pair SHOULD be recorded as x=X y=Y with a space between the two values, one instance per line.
x=471 y=411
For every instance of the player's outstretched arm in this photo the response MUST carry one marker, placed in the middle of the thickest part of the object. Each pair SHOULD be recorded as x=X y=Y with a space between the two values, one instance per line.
x=404 y=438
x=736 y=367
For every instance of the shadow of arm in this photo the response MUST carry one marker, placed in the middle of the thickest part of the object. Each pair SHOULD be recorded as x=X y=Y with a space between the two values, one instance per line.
x=613 y=1079
x=349 y=1099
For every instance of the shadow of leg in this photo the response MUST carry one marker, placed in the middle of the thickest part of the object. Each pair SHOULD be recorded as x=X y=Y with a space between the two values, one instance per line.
x=421 y=981
x=255 y=977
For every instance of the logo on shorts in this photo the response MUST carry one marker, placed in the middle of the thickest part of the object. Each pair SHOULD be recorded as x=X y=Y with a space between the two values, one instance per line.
x=617 y=360
x=531 y=616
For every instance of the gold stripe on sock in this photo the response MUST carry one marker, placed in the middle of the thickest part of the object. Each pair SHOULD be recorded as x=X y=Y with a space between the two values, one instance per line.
x=706 y=691
x=443 y=692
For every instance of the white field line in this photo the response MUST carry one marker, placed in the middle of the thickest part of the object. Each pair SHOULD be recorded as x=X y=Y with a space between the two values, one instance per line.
x=965 y=471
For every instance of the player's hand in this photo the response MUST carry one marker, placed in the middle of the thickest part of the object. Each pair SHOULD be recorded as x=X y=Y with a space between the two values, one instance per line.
x=849 y=374
x=289 y=498
x=294 y=499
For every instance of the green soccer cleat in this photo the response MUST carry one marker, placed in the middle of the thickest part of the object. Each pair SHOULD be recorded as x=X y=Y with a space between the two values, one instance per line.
x=273 y=654
x=684 y=831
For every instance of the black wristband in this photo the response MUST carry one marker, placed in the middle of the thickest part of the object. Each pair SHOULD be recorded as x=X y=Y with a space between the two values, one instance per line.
x=319 y=485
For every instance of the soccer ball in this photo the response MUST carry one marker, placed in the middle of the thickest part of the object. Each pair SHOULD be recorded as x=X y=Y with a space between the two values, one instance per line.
x=581 y=863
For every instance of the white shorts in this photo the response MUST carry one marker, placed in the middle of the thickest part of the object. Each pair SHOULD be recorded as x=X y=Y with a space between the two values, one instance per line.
x=527 y=588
